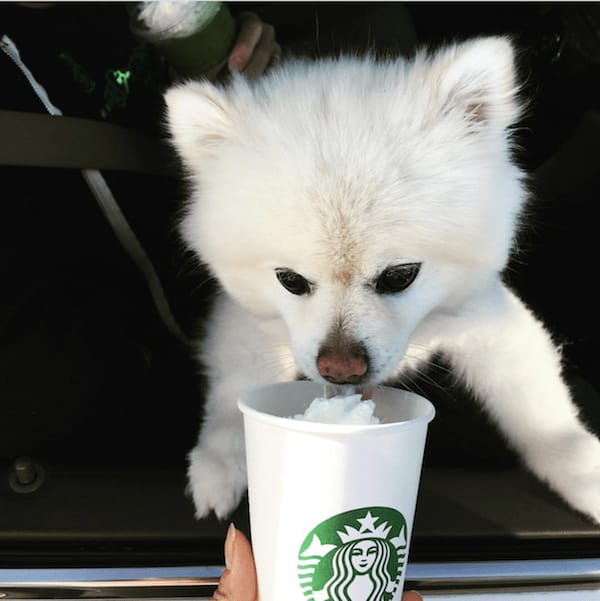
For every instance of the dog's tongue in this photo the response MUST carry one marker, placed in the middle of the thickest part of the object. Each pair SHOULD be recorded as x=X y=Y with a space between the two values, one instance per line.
x=331 y=390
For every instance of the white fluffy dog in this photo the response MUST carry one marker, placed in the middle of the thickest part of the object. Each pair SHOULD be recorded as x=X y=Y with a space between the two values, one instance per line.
x=358 y=215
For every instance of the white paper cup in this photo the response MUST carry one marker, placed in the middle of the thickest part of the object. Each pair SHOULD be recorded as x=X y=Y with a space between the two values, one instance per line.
x=332 y=506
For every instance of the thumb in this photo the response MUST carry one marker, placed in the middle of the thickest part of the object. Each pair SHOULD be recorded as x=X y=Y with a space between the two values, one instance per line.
x=238 y=581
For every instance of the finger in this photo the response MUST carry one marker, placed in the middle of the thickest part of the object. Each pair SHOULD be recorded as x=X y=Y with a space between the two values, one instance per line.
x=251 y=30
x=265 y=51
x=238 y=581
x=412 y=596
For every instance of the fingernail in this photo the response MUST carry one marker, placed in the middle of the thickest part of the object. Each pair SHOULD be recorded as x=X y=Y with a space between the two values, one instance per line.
x=235 y=63
x=229 y=542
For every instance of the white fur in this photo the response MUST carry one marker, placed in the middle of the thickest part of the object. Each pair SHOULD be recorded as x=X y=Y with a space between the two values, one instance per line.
x=337 y=169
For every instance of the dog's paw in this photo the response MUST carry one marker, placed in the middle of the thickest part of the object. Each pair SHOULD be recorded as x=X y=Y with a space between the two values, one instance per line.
x=216 y=483
x=573 y=470
x=582 y=488
x=585 y=495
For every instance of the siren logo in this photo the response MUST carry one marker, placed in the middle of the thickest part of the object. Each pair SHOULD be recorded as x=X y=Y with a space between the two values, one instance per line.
x=358 y=555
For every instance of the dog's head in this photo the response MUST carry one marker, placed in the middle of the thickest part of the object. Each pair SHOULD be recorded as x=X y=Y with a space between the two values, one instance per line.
x=354 y=199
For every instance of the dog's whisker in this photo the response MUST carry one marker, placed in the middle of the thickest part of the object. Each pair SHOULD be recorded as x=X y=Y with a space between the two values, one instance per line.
x=200 y=285
x=441 y=367
x=412 y=377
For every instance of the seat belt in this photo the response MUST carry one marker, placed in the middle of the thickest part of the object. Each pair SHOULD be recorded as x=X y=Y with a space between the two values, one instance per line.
x=44 y=140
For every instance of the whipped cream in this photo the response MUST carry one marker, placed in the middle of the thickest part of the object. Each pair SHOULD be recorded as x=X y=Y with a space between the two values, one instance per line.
x=340 y=410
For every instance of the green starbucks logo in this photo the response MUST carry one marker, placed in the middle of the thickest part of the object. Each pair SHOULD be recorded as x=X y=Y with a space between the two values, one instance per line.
x=358 y=555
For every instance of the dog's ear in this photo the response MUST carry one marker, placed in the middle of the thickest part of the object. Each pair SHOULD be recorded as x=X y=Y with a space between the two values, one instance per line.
x=198 y=118
x=478 y=78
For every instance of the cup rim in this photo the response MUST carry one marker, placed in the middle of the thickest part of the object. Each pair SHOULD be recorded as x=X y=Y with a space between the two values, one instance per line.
x=289 y=423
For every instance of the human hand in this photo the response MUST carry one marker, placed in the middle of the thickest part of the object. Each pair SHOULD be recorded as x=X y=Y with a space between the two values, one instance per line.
x=254 y=49
x=238 y=582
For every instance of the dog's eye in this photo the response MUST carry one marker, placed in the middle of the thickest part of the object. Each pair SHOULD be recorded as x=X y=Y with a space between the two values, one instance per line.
x=293 y=282
x=397 y=278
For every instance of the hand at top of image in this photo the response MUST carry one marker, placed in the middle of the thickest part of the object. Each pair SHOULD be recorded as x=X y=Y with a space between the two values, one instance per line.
x=255 y=47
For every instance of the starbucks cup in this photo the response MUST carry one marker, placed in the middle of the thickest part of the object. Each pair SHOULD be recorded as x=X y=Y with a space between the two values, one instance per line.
x=332 y=506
